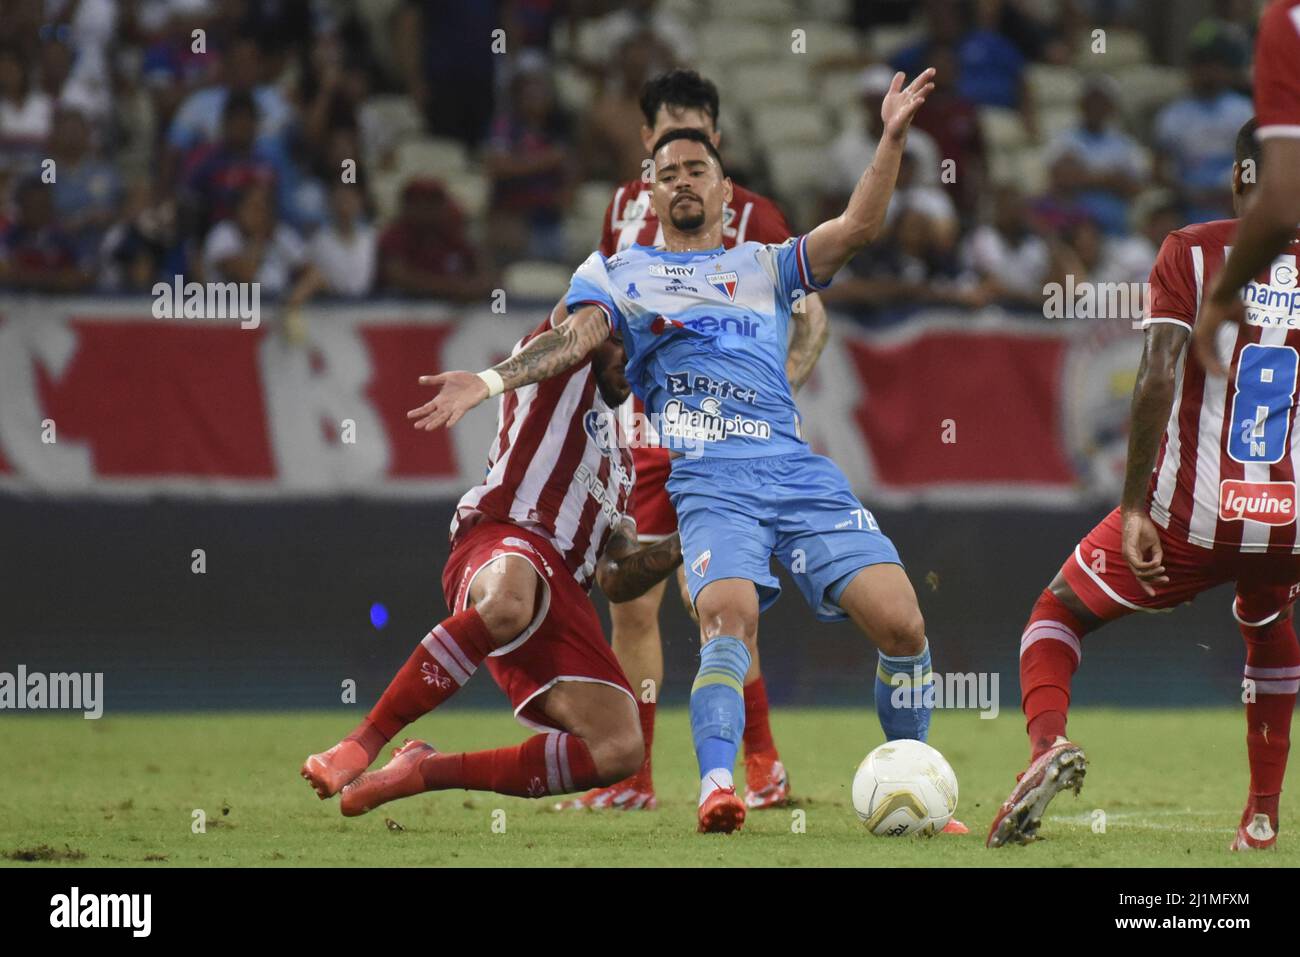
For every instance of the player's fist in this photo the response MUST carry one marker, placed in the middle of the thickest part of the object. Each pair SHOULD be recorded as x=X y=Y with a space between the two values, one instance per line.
x=901 y=102
x=458 y=392
x=1142 y=550
x=1215 y=311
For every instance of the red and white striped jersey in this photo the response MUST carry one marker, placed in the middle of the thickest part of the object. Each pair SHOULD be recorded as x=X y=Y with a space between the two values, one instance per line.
x=558 y=466
x=1277 y=70
x=1226 y=473
x=630 y=219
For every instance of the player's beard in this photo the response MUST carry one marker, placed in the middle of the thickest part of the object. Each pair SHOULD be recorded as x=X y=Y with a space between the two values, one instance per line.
x=685 y=221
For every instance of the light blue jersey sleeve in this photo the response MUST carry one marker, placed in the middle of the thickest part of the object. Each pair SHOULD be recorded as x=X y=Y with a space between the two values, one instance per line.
x=590 y=285
x=787 y=266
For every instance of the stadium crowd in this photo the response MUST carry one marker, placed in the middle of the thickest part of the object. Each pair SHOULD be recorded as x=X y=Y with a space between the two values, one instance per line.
x=354 y=148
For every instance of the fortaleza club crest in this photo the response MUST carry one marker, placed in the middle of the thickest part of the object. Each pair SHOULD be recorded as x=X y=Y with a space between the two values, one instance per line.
x=701 y=564
x=725 y=283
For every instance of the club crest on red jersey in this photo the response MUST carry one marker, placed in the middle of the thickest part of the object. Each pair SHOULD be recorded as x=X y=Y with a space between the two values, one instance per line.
x=725 y=283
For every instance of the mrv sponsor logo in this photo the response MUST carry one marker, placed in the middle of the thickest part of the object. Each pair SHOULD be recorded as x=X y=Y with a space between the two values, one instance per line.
x=691 y=383
x=61 y=691
x=669 y=271
x=1271 y=503
x=708 y=424
x=75 y=909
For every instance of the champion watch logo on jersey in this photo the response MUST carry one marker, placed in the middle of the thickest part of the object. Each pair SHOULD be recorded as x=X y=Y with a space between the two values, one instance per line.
x=1270 y=503
x=725 y=283
x=701 y=564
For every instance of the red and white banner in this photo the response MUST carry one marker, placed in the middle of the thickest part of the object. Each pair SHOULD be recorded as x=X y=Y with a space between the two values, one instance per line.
x=97 y=397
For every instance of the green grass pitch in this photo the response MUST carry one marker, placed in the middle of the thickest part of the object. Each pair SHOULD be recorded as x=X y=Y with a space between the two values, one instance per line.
x=122 y=791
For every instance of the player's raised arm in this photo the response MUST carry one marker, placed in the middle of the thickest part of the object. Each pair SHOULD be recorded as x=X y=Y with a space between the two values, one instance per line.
x=836 y=241
x=1153 y=398
x=626 y=572
x=554 y=351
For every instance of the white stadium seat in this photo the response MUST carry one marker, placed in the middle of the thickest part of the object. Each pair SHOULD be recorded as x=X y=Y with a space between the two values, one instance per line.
x=1148 y=87
x=824 y=40
x=775 y=125
x=730 y=41
x=1054 y=85
x=430 y=156
x=1002 y=128
x=471 y=192
x=1123 y=48
x=780 y=80
x=884 y=42
x=839 y=90
x=537 y=280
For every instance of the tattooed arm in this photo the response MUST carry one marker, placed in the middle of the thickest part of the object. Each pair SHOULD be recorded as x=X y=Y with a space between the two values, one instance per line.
x=626 y=572
x=1153 y=397
x=807 y=339
x=554 y=351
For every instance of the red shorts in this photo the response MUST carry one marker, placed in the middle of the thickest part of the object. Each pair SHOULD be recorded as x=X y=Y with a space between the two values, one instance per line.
x=651 y=508
x=564 y=642
x=1099 y=575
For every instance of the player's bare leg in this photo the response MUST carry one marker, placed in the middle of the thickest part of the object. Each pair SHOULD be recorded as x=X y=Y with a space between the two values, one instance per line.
x=728 y=614
x=504 y=599
x=1049 y=654
x=638 y=646
x=601 y=743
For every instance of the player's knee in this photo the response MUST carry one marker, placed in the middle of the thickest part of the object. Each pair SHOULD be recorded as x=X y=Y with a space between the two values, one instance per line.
x=902 y=634
x=619 y=754
x=506 y=614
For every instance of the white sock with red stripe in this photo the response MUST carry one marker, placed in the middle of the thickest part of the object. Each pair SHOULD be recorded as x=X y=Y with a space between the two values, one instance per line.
x=436 y=670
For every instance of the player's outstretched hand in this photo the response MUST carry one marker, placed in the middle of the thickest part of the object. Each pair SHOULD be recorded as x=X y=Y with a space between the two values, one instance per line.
x=458 y=392
x=901 y=103
x=1142 y=550
x=1205 y=333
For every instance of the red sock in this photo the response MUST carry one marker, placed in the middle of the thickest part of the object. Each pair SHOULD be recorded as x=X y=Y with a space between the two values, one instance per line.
x=646 y=712
x=440 y=664
x=1273 y=665
x=758 y=733
x=552 y=763
x=1049 y=655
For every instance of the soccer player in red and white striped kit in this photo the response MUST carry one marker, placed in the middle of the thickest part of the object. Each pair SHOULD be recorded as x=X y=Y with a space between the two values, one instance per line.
x=682 y=99
x=1209 y=497
x=548 y=520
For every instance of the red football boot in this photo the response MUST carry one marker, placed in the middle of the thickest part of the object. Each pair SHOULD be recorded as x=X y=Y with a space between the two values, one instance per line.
x=330 y=770
x=399 y=778
x=1059 y=768
x=1257 y=830
x=722 y=812
x=766 y=782
x=636 y=793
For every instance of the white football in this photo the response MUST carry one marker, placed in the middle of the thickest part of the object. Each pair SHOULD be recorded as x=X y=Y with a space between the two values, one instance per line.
x=904 y=787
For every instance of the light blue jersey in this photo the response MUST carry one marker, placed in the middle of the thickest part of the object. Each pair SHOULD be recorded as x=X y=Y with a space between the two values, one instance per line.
x=706 y=335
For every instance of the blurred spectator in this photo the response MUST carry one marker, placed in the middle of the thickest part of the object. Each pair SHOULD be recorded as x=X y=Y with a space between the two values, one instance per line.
x=35 y=252
x=142 y=248
x=1102 y=165
x=530 y=164
x=87 y=190
x=1009 y=261
x=663 y=30
x=224 y=170
x=1194 y=134
x=199 y=118
x=953 y=122
x=426 y=252
x=343 y=250
x=1085 y=252
x=612 y=147
x=852 y=150
x=991 y=67
x=255 y=247
x=444 y=47
x=26 y=112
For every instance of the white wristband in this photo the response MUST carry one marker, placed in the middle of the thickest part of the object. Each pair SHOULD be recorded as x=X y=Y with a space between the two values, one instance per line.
x=492 y=379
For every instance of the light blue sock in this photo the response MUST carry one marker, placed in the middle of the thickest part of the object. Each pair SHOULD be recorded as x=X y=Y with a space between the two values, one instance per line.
x=718 y=703
x=904 y=698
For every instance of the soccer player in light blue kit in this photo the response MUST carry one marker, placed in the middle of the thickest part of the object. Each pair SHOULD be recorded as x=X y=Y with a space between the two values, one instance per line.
x=705 y=330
